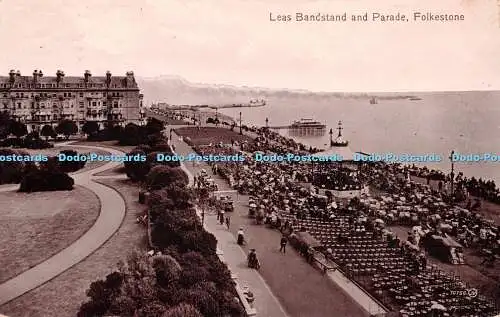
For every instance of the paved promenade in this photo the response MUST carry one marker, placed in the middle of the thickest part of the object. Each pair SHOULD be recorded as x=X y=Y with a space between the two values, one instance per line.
x=111 y=214
x=285 y=280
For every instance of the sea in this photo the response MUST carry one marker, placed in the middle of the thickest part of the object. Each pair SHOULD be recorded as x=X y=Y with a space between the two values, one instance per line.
x=466 y=122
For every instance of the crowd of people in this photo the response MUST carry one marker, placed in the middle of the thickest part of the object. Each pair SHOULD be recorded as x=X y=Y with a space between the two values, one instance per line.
x=354 y=234
x=479 y=188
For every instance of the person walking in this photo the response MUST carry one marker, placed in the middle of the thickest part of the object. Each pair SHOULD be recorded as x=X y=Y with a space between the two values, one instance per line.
x=228 y=222
x=222 y=217
x=283 y=243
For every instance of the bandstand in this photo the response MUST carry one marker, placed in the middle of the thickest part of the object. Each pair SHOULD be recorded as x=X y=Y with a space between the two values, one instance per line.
x=339 y=179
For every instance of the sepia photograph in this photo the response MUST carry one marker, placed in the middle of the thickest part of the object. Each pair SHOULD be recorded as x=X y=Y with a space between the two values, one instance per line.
x=249 y=158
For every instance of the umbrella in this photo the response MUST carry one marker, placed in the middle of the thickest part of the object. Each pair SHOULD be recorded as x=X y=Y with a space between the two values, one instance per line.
x=379 y=220
x=438 y=306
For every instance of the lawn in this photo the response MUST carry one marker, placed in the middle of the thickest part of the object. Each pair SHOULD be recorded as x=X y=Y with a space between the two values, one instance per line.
x=36 y=226
x=55 y=150
x=111 y=144
x=208 y=135
x=63 y=295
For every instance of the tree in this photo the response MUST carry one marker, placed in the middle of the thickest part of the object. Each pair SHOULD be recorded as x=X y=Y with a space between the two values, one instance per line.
x=131 y=135
x=154 y=126
x=161 y=176
x=18 y=129
x=47 y=131
x=5 y=122
x=67 y=128
x=90 y=127
x=137 y=170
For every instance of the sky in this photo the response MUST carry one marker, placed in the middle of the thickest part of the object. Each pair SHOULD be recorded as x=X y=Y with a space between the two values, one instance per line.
x=234 y=42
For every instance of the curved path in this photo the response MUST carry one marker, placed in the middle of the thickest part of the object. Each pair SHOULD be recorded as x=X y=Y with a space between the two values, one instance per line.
x=109 y=221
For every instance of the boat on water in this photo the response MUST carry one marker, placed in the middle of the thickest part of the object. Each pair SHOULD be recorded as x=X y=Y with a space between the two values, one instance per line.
x=257 y=102
x=414 y=98
x=373 y=101
x=307 y=126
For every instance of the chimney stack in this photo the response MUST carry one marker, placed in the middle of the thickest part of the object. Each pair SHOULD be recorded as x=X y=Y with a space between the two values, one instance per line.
x=108 y=78
x=12 y=75
x=130 y=80
x=35 y=75
x=87 y=76
x=60 y=75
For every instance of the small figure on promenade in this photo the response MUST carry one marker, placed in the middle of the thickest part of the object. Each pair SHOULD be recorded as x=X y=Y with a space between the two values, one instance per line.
x=283 y=243
x=228 y=222
x=221 y=217
x=241 y=236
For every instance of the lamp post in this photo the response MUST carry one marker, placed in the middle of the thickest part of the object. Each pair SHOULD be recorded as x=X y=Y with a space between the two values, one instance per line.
x=267 y=122
x=452 y=175
x=203 y=216
x=241 y=132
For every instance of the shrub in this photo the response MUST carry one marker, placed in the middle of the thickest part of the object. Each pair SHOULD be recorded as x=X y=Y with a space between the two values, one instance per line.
x=183 y=310
x=135 y=170
x=46 y=180
x=67 y=128
x=18 y=129
x=48 y=131
x=109 y=133
x=37 y=143
x=13 y=172
x=152 y=157
x=188 y=280
x=162 y=176
x=90 y=127
x=70 y=166
x=132 y=134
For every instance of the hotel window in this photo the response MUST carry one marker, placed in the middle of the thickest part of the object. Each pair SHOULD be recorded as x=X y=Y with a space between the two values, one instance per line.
x=81 y=94
x=115 y=104
x=55 y=117
x=54 y=106
x=65 y=95
x=93 y=103
x=81 y=104
x=43 y=105
x=18 y=105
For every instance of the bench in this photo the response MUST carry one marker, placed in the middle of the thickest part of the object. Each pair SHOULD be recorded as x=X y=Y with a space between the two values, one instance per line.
x=323 y=265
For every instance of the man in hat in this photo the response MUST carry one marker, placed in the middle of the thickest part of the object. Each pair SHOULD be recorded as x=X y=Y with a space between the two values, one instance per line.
x=222 y=212
x=283 y=243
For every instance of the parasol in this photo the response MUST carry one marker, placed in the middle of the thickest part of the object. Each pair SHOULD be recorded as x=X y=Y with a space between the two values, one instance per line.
x=438 y=306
